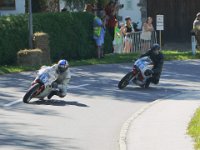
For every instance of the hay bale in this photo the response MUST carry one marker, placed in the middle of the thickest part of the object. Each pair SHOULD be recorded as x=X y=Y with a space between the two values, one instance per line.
x=32 y=57
x=41 y=41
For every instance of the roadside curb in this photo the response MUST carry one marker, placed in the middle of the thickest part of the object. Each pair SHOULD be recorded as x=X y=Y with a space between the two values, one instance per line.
x=125 y=127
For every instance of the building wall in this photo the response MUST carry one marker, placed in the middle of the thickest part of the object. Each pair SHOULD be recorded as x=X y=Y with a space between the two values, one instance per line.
x=131 y=9
x=19 y=8
x=178 y=17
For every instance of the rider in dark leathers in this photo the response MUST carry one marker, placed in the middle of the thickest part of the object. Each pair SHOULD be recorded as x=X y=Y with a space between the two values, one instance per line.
x=158 y=60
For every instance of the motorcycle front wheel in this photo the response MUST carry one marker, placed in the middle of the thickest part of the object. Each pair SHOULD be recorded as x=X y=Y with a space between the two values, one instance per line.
x=125 y=80
x=30 y=93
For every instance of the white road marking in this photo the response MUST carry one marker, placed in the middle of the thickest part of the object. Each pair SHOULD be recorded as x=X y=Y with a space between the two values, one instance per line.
x=77 y=86
x=20 y=100
x=12 y=103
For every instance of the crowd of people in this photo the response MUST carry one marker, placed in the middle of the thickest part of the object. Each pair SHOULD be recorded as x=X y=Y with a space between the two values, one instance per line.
x=121 y=32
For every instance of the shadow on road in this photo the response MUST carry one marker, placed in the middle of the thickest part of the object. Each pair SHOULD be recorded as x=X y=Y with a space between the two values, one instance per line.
x=54 y=102
x=12 y=139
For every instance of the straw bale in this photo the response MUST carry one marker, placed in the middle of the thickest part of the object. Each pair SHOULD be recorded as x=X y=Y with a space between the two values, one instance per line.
x=41 y=41
x=31 y=57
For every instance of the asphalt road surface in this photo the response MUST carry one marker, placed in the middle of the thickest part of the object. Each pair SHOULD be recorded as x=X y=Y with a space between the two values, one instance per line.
x=90 y=117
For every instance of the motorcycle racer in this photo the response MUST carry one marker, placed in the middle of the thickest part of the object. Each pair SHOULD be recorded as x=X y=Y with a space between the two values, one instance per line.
x=62 y=72
x=158 y=59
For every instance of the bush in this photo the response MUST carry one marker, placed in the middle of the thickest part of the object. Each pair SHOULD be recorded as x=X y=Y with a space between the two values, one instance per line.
x=13 y=37
x=70 y=35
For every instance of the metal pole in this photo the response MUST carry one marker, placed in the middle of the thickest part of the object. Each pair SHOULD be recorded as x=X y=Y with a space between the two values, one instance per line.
x=193 y=42
x=30 y=25
x=160 y=40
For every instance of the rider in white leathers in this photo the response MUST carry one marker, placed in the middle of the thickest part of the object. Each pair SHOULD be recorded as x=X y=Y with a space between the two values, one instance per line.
x=62 y=72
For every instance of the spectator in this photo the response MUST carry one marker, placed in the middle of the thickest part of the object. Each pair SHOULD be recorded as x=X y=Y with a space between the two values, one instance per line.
x=145 y=36
x=88 y=8
x=118 y=39
x=196 y=29
x=122 y=31
x=110 y=11
x=128 y=31
x=99 y=32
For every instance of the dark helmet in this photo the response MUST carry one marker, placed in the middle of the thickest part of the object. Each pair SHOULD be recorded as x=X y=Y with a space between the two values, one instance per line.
x=155 y=47
x=62 y=65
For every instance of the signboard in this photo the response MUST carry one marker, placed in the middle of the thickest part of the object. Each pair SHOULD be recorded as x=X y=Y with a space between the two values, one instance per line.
x=159 y=22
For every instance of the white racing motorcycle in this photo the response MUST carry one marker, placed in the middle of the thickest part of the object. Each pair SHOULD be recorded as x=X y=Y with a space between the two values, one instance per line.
x=41 y=86
x=139 y=74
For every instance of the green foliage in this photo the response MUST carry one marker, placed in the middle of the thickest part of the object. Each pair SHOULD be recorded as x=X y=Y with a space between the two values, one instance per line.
x=77 y=4
x=13 y=37
x=194 y=128
x=70 y=35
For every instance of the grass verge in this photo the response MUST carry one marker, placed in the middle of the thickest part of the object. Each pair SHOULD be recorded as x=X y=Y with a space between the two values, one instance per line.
x=194 y=128
x=109 y=58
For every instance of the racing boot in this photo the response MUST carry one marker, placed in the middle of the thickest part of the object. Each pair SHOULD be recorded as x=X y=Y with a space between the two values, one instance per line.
x=52 y=93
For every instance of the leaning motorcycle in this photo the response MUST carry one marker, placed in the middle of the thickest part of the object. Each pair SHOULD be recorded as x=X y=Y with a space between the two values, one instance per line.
x=41 y=86
x=139 y=74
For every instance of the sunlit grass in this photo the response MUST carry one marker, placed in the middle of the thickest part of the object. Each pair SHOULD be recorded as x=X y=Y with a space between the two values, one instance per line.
x=194 y=129
x=176 y=55
x=12 y=69
x=108 y=59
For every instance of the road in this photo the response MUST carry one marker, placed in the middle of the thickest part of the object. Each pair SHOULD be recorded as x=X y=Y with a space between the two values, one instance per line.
x=90 y=117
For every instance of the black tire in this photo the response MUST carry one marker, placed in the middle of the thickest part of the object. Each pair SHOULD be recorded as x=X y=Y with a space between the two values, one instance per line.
x=125 y=80
x=29 y=94
x=148 y=82
x=146 y=85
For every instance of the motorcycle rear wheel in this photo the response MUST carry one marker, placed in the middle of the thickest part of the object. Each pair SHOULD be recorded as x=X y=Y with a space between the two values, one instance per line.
x=125 y=80
x=29 y=94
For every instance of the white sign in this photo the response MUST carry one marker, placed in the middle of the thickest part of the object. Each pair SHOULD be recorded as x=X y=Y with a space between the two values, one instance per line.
x=159 y=22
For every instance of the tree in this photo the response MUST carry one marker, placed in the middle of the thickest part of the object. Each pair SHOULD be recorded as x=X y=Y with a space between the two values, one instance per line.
x=78 y=5
x=53 y=5
x=44 y=6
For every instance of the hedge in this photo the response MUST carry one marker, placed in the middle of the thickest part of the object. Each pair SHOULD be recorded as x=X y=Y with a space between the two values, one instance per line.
x=70 y=35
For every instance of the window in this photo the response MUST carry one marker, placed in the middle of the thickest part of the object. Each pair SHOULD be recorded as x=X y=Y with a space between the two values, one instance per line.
x=7 y=4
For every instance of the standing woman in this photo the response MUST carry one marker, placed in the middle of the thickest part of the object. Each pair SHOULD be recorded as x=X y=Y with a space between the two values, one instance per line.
x=145 y=36
x=196 y=29
x=128 y=30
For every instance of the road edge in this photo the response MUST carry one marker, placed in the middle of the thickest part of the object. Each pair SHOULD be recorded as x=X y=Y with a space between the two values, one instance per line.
x=125 y=127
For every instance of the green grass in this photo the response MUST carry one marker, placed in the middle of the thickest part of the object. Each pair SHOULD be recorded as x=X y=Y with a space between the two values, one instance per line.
x=109 y=58
x=176 y=55
x=194 y=129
